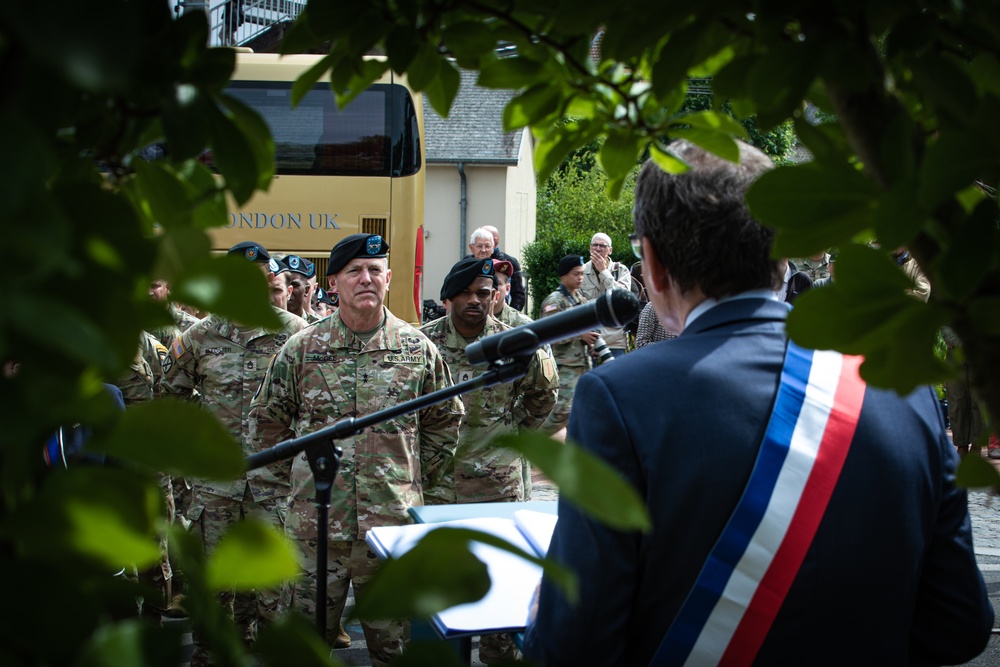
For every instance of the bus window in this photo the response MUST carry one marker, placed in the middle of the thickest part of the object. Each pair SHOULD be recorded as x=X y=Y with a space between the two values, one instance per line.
x=373 y=136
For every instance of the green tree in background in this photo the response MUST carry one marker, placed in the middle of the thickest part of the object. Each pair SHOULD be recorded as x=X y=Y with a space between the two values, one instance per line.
x=573 y=204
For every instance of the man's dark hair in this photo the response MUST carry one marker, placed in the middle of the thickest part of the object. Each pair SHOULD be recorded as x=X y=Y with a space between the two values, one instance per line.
x=699 y=225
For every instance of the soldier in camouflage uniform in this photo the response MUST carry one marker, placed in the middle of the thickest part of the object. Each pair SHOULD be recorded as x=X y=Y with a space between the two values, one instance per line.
x=513 y=318
x=816 y=267
x=225 y=362
x=357 y=361
x=159 y=290
x=572 y=355
x=501 y=309
x=139 y=384
x=481 y=472
x=301 y=278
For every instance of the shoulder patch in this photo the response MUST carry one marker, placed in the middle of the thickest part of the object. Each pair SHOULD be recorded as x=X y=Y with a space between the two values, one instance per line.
x=549 y=308
x=177 y=347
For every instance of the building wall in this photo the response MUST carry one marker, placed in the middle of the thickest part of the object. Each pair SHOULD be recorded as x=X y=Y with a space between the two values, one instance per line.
x=498 y=195
x=486 y=193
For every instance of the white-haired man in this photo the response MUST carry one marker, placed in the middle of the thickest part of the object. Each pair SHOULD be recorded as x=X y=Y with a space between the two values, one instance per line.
x=601 y=274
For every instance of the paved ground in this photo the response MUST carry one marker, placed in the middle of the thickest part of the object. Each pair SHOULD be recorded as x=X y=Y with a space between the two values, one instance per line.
x=984 y=509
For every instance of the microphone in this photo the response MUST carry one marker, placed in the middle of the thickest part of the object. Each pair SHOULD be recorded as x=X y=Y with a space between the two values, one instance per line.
x=614 y=308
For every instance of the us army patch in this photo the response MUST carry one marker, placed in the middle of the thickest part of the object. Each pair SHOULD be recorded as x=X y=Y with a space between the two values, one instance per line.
x=404 y=358
x=549 y=308
x=177 y=348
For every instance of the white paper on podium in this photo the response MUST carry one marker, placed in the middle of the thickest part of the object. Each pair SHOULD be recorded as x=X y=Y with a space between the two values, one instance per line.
x=513 y=580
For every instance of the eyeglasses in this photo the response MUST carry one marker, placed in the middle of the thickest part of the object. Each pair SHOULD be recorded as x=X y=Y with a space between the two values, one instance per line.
x=636 y=242
x=602 y=246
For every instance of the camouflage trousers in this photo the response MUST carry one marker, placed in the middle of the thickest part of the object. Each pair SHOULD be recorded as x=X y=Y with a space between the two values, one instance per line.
x=348 y=563
x=559 y=416
x=211 y=517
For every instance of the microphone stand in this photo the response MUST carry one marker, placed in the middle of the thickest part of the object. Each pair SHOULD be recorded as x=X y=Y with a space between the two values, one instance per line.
x=324 y=456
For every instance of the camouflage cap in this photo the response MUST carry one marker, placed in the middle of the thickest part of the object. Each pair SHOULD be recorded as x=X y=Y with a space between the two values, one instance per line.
x=463 y=273
x=369 y=246
x=300 y=265
x=253 y=251
x=568 y=263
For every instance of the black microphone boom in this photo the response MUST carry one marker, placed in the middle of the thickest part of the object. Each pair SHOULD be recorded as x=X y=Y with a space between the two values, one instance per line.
x=614 y=308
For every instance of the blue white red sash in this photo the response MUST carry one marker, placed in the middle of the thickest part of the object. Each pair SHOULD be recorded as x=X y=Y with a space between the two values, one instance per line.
x=746 y=577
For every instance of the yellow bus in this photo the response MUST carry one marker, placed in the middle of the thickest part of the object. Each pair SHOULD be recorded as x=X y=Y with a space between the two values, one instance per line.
x=359 y=169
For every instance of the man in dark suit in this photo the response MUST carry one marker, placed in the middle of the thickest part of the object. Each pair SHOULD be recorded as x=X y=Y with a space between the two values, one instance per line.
x=887 y=574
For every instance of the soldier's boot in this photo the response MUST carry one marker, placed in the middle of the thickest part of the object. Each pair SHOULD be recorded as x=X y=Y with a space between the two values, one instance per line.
x=343 y=639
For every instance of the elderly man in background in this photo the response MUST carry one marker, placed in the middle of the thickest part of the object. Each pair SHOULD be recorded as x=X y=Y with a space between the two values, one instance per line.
x=600 y=275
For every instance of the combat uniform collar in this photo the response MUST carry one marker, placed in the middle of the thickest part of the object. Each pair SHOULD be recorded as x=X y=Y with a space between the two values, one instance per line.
x=456 y=341
x=386 y=338
x=237 y=333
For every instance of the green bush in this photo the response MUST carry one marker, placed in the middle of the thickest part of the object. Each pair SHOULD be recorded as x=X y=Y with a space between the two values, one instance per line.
x=572 y=207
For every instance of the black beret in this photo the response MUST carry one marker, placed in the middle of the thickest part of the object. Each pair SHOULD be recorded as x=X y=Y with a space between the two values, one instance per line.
x=255 y=252
x=356 y=245
x=300 y=265
x=463 y=273
x=568 y=263
x=276 y=266
x=326 y=297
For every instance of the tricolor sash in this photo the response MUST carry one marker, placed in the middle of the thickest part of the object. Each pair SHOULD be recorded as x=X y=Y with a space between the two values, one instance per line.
x=746 y=577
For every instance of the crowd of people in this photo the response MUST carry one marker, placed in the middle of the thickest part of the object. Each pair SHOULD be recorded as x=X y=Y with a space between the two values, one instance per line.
x=339 y=353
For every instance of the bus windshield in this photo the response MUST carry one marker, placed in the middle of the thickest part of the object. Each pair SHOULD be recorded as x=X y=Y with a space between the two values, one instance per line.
x=375 y=135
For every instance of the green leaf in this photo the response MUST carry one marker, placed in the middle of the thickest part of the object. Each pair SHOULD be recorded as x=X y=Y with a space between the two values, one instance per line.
x=73 y=334
x=619 y=154
x=666 y=160
x=578 y=473
x=448 y=573
x=292 y=640
x=184 y=123
x=975 y=472
x=716 y=142
x=194 y=445
x=99 y=513
x=228 y=286
x=423 y=653
x=251 y=555
x=301 y=37
x=308 y=79
x=531 y=107
x=424 y=68
x=514 y=73
x=468 y=39
x=712 y=121
x=812 y=206
x=401 y=45
x=258 y=136
x=132 y=642
x=866 y=311
x=943 y=83
x=442 y=90
x=965 y=262
x=985 y=315
x=952 y=163
x=371 y=69
x=163 y=193
x=234 y=154
x=898 y=216
x=210 y=209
